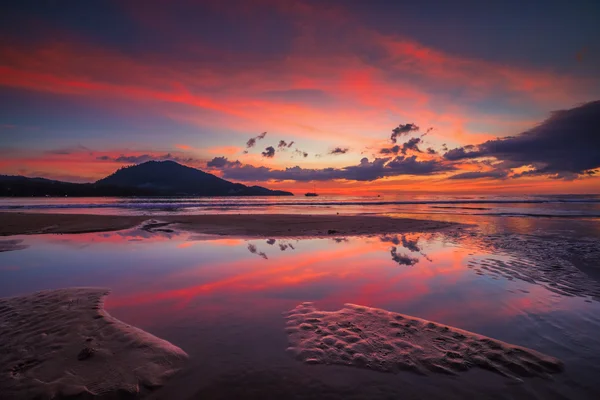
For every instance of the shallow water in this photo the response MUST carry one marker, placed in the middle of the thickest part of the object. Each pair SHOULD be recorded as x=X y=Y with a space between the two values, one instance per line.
x=222 y=299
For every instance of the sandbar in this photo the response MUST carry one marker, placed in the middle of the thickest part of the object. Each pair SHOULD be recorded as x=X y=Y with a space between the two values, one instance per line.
x=249 y=225
x=63 y=344
x=384 y=341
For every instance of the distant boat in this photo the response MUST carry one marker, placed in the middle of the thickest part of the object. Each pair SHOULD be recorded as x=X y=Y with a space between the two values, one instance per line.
x=313 y=193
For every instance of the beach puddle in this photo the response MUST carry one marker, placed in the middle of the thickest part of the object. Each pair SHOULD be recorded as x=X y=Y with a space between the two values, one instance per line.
x=221 y=299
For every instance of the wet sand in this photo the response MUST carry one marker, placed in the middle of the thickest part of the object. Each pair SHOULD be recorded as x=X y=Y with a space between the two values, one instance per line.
x=62 y=344
x=249 y=225
x=390 y=342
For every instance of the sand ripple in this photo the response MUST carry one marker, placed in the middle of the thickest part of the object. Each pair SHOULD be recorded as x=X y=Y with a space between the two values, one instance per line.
x=390 y=342
x=61 y=343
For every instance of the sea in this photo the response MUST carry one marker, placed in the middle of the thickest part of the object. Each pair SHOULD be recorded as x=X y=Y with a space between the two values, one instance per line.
x=521 y=269
x=569 y=206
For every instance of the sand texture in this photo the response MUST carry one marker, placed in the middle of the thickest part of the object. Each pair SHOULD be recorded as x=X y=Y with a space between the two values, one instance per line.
x=390 y=342
x=62 y=344
x=38 y=223
x=248 y=225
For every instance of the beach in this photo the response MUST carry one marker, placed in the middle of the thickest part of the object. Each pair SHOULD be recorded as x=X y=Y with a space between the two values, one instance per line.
x=263 y=225
x=63 y=344
x=419 y=306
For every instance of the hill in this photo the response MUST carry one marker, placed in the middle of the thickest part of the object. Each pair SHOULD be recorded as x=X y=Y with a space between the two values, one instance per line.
x=152 y=178
x=169 y=177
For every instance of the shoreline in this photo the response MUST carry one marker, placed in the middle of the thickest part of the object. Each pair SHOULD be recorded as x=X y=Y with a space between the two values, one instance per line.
x=249 y=225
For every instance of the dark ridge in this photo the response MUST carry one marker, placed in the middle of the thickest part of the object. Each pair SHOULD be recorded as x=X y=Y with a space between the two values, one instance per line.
x=152 y=178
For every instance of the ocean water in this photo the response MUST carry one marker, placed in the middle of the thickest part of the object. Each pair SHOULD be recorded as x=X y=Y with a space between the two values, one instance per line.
x=569 y=206
x=517 y=279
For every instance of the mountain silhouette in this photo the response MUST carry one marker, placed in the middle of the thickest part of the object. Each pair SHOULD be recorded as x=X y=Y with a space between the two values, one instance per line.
x=152 y=178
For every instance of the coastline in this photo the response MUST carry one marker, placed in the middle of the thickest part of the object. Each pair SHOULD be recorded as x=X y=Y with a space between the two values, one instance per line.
x=249 y=225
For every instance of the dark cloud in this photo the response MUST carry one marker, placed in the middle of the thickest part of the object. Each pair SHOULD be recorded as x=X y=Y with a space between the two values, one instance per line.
x=301 y=153
x=138 y=159
x=498 y=174
x=271 y=241
x=269 y=152
x=402 y=130
x=220 y=162
x=563 y=146
x=339 y=150
x=431 y=151
x=283 y=145
x=402 y=259
x=411 y=144
x=365 y=171
x=391 y=150
x=460 y=153
x=402 y=165
x=252 y=141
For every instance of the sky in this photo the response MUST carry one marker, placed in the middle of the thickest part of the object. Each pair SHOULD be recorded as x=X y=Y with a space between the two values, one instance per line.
x=351 y=97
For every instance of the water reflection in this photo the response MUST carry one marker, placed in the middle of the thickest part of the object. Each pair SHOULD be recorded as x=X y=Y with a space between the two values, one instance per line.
x=164 y=280
x=252 y=249
x=12 y=245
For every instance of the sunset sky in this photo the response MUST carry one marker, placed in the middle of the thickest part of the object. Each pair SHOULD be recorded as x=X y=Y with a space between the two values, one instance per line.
x=355 y=97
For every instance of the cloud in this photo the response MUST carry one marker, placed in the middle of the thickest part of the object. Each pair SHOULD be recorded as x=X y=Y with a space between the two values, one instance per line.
x=339 y=150
x=301 y=153
x=365 y=171
x=220 y=162
x=498 y=174
x=391 y=150
x=460 y=153
x=411 y=144
x=431 y=150
x=269 y=152
x=402 y=130
x=271 y=241
x=283 y=145
x=563 y=146
x=252 y=141
x=142 y=158
x=402 y=259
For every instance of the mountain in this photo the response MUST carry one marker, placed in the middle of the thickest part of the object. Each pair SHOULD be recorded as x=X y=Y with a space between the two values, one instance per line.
x=152 y=178
x=169 y=177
